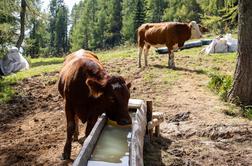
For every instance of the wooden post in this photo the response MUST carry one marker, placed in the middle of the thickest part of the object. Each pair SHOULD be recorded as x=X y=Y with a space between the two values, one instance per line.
x=149 y=116
x=157 y=131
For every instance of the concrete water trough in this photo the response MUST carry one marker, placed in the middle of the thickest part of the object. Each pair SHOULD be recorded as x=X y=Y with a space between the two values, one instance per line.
x=110 y=144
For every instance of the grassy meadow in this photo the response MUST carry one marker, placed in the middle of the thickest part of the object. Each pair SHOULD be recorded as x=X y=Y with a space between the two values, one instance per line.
x=218 y=67
x=217 y=63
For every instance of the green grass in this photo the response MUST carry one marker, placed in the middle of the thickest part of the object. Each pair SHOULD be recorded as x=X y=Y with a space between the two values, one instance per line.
x=126 y=51
x=45 y=61
x=220 y=84
x=247 y=112
x=218 y=67
x=206 y=64
x=37 y=67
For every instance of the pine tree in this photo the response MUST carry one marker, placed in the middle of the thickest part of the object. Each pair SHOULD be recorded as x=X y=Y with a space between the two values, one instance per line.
x=139 y=16
x=8 y=26
x=219 y=15
x=155 y=10
x=80 y=36
x=128 y=30
x=53 y=8
x=115 y=24
x=58 y=27
x=182 y=11
x=61 y=30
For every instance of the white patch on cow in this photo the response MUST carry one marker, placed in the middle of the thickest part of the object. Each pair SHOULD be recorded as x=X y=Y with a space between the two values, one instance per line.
x=80 y=53
x=195 y=31
x=116 y=85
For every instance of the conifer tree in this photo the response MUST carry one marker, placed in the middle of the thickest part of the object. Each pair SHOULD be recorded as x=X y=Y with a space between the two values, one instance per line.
x=139 y=16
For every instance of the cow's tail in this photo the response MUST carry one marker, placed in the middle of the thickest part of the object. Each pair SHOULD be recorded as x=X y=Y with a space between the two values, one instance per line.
x=140 y=38
x=61 y=86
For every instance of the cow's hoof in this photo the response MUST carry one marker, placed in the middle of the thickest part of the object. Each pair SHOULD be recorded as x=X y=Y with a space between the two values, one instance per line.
x=171 y=66
x=65 y=156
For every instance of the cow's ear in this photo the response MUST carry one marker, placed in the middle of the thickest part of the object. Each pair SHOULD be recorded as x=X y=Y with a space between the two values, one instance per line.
x=96 y=88
x=129 y=85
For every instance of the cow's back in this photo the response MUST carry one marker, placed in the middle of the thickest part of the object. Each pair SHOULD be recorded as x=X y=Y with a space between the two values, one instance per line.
x=77 y=67
x=163 y=33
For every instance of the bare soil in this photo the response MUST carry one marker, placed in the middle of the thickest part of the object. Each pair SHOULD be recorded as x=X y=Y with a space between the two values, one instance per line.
x=195 y=131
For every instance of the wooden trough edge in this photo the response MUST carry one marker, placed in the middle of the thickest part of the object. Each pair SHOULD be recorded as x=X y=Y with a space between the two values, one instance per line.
x=90 y=141
x=139 y=123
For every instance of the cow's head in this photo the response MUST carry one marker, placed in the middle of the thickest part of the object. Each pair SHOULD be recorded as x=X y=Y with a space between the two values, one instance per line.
x=195 y=30
x=115 y=94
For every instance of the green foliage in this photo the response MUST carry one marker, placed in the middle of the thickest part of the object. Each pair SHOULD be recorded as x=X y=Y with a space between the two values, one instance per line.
x=38 y=42
x=115 y=23
x=8 y=23
x=214 y=23
x=139 y=16
x=128 y=30
x=99 y=26
x=247 y=111
x=220 y=15
x=155 y=9
x=6 y=92
x=221 y=84
x=58 y=27
x=103 y=24
x=183 y=11
x=61 y=42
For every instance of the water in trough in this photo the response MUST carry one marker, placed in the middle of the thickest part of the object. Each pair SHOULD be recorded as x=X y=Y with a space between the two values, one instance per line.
x=112 y=147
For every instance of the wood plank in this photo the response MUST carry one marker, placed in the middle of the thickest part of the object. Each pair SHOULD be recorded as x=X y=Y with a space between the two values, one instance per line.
x=89 y=143
x=138 y=132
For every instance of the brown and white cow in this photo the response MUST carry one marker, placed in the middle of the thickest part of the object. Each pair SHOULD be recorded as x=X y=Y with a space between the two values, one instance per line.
x=170 y=34
x=88 y=91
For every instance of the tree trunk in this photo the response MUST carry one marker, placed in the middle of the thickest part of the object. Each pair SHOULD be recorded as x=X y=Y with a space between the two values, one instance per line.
x=241 y=91
x=22 y=24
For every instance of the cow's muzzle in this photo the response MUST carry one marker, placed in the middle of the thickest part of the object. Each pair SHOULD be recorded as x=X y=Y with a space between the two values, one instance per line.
x=124 y=122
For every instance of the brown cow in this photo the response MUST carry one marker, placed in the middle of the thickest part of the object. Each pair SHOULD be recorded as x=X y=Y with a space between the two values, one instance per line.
x=170 y=34
x=89 y=91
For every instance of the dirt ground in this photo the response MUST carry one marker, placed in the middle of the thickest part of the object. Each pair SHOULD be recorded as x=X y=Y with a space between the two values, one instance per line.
x=195 y=131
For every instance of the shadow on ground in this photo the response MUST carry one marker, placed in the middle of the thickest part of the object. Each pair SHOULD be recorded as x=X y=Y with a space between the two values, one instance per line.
x=153 y=151
x=197 y=71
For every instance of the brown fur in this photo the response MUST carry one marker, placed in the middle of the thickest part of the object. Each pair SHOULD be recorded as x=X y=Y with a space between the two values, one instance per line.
x=168 y=34
x=88 y=92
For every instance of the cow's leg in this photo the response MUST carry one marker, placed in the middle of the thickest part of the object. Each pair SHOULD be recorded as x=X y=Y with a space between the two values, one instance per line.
x=171 y=63
x=140 y=50
x=146 y=51
x=90 y=124
x=76 y=132
x=70 y=130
